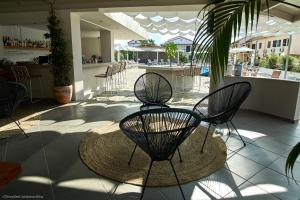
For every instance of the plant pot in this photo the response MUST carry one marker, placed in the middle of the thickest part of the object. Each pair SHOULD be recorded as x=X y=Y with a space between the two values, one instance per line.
x=63 y=94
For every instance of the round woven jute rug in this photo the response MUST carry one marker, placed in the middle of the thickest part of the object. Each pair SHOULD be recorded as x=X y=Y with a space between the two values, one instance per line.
x=106 y=151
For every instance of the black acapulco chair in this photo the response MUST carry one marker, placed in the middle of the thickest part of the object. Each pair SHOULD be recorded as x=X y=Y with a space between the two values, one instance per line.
x=159 y=132
x=11 y=95
x=153 y=90
x=220 y=106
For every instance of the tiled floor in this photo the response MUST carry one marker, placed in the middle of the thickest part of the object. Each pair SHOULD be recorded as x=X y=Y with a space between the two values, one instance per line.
x=52 y=168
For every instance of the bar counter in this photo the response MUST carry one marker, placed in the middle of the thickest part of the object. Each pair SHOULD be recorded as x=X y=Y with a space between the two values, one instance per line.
x=170 y=73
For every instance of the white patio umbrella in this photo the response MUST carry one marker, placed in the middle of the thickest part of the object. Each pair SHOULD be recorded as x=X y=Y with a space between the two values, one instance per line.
x=241 y=50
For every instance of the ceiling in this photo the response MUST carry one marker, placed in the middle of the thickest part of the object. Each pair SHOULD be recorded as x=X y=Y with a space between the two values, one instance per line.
x=42 y=5
x=92 y=21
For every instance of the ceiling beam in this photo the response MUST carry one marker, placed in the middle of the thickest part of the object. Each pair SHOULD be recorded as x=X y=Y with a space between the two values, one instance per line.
x=42 y=5
x=272 y=4
x=282 y=15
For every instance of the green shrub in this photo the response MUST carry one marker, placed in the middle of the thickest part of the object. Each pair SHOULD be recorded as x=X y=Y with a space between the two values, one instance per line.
x=264 y=62
x=273 y=61
x=182 y=58
x=291 y=62
x=296 y=68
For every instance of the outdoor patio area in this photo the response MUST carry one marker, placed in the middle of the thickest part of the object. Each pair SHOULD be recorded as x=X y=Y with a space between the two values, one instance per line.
x=52 y=168
x=150 y=100
x=124 y=93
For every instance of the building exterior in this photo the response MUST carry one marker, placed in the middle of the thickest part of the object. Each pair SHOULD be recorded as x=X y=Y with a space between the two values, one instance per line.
x=134 y=43
x=277 y=45
x=183 y=44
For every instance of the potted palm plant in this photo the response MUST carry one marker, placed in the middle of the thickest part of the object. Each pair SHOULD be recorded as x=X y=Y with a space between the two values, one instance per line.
x=220 y=21
x=171 y=50
x=61 y=60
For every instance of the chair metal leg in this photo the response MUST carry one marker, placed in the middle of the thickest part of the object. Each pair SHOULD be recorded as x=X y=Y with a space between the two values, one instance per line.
x=180 y=159
x=205 y=138
x=229 y=132
x=132 y=155
x=177 y=180
x=145 y=184
x=18 y=124
x=238 y=133
x=41 y=88
x=30 y=90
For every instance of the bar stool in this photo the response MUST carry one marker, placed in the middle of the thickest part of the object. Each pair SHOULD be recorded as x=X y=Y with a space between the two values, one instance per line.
x=107 y=76
x=123 y=73
x=21 y=74
x=115 y=76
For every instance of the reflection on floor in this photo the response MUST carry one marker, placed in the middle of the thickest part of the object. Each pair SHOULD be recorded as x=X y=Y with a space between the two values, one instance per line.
x=52 y=168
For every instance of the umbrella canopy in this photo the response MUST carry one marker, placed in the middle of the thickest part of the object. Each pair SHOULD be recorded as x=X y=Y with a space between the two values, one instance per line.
x=241 y=50
x=122 y=47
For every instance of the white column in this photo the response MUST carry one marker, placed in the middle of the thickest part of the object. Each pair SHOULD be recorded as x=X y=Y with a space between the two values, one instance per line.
x=70 y=23
x=107 y=46
x=287 y=57
x=157 y=56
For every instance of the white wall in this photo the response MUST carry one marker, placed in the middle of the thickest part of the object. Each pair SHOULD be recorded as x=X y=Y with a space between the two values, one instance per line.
x=272 y=96
x=90 y=46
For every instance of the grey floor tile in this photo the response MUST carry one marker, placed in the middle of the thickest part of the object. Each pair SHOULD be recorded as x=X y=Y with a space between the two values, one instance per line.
x=273 y=145
x=258 y=154
x=34 y=178
x=250 y=192
x=20 y=147
x=276 y=184
x=61 y=129
x=242 y=166
x=222 y=182
x=233 y=143
x=126 y=192
x=194 y=191
x=279 y=166
x=80 y=188
x=154 y=193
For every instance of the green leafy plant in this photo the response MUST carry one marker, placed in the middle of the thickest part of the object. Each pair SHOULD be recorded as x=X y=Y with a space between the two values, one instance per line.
x=220 y=21
x=61 y=59
x=171 y=50
x=273 y=61
x=182 y=58
x=291 y=64
x=264 y=62
x=147 y=43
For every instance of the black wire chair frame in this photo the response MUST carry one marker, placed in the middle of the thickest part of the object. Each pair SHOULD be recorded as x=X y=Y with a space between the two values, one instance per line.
x=159 y=132
x=227 y=108
x=12 y=94
x=153 y=90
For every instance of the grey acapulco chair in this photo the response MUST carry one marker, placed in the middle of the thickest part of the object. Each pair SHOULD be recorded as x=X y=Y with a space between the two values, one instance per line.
x=153 y=90
x=159 y=132
x=11 y=95
x=220 y=106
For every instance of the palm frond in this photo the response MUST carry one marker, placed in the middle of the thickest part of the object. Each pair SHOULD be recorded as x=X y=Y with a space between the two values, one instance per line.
x=221 y=22
x=291 y=160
